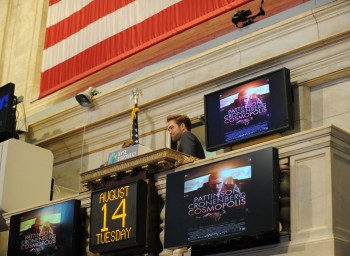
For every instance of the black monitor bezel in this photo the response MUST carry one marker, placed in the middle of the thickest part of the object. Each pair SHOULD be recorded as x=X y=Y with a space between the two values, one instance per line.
x=281 y=100
x=265 y=168
x=73 y=231
x=7 y=115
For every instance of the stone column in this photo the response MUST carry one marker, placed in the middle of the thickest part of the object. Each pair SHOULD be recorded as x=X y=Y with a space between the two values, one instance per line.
x=285 y=199
x=161 y=185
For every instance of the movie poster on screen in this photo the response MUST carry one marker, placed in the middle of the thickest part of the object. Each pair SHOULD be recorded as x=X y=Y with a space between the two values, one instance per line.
x=217 y=203
x=223 y=201
x=45 y=232
x=245 y=110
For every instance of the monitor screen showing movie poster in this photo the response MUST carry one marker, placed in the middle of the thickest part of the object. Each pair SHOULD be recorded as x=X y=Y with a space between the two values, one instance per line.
x=248 y=110
x=232 y=198
x=7 y=112
x=51 y=231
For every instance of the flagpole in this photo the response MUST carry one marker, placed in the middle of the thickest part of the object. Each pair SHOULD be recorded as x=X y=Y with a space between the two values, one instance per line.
x=134 y=95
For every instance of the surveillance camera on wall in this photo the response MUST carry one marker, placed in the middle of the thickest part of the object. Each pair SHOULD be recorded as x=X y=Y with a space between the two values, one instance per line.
x=85 y=98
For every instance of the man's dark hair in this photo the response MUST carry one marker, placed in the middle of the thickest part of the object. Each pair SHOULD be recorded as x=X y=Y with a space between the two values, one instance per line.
x=179 y=119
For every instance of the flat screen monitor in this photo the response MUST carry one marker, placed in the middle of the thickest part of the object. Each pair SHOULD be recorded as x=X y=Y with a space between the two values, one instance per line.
x=228 y=202
x=7 y=112
x=51 y=230
x=248 y=110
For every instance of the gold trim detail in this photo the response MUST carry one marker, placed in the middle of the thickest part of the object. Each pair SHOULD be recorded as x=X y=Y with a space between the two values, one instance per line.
x=155 y=161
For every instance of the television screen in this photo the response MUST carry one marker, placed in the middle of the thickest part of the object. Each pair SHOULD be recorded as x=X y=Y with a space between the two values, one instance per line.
x=50 y=230
x=248 y=110
x=7 y=112
x=222 y=201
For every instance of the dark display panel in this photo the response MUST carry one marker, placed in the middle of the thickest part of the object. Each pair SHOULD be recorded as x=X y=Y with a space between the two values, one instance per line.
x=118 y=218
x=222 y=201
x=7 y=112
x=248 y=110
x=51 y=230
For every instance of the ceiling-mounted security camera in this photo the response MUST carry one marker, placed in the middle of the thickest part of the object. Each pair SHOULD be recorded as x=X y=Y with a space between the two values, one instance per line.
x=244 y=16
x=85 y=98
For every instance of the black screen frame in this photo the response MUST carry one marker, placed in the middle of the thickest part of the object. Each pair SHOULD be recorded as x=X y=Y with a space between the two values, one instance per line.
x=262 y=217
x=280 y=107
x=69 y=240
x=7 y=112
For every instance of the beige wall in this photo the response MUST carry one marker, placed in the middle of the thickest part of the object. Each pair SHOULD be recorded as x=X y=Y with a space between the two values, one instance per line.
x=22 y=34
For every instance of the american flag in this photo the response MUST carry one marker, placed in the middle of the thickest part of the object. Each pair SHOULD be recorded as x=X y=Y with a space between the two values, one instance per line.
x=135 y=126
x=85 y=36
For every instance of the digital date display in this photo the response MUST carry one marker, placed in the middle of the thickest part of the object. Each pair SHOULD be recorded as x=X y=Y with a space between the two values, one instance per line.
x=118 y=217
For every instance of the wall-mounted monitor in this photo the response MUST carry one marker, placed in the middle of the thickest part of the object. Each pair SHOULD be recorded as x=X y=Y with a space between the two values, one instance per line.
x=55 y=229
x=225 y=204
x=7 y=112
x=248 y=110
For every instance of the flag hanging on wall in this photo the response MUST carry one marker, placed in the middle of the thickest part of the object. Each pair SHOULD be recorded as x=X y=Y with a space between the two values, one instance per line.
x=85 y=36
x=135 y=126
x=134 y=133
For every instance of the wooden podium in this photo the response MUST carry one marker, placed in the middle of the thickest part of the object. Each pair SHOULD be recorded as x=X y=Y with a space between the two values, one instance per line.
x=138 y=167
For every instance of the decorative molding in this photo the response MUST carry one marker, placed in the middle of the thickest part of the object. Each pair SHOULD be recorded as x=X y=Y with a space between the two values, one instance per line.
x=295 y=144
x=155 y=161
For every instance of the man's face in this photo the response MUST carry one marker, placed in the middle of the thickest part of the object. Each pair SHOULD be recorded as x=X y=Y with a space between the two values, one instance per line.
x=215 y=184
x=37 y=222
x=175 y=130
x=243 y=99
